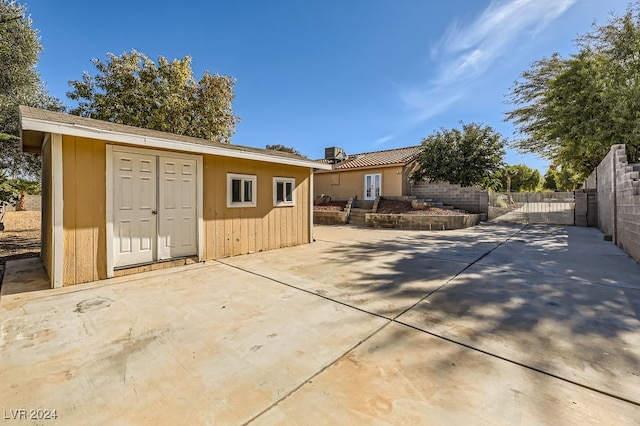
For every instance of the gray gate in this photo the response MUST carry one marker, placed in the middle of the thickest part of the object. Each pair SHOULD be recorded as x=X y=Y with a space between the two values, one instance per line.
x=552 y=208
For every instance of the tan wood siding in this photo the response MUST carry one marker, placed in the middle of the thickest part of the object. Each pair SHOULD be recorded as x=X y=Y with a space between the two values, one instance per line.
x=341 y=185
x=84 y=219
x=242 y=230
x=227 y=231
x=46 y=228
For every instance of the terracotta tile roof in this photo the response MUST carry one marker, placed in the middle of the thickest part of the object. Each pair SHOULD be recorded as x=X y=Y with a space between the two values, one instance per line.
x=74 y=120
x=378 y=158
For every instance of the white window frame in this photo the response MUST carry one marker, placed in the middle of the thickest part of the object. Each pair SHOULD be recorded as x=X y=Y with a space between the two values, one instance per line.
x=284 y=181
x=243 y=178
x=373 y=196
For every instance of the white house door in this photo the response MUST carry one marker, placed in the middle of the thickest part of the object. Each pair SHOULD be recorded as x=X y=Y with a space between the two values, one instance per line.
x=372 y=186
x=155 y=208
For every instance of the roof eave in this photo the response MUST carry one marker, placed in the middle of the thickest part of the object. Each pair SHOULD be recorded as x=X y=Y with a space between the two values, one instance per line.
x=380 y=166
x=46 y=126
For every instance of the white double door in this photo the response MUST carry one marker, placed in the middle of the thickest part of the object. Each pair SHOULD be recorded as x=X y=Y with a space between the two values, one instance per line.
x=372 y=186
x=155 y=208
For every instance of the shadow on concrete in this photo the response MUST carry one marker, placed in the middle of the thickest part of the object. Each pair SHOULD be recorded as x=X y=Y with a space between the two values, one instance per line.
x=554 y=299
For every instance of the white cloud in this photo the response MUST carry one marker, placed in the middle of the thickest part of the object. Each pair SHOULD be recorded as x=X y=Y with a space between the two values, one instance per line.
x=383 y=140
x=466 y=53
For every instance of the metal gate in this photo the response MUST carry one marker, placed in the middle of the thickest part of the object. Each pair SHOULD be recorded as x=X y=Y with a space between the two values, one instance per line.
x=552 y=208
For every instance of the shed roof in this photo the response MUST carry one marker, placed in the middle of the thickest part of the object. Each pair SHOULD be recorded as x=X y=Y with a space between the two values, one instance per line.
x=389 y=157
x=36 y=123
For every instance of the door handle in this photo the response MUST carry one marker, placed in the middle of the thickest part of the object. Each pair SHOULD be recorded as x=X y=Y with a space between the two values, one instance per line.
x=154 y=212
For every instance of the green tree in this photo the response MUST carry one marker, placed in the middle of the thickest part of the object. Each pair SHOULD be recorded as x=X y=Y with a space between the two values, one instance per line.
x=7 y=193
x=282 y=148
x=549 y=181
x=467 y=156
x=19 y=85
x=563 y=179
x=523 y=178
x=22 y=187
x=132 y=89
x=571 y=110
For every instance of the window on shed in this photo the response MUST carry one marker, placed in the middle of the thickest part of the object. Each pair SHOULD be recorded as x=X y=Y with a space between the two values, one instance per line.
x=241 y=190
x=284 y=191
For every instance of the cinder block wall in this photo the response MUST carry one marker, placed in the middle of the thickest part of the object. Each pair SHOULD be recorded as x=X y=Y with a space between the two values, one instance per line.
x=628 y=205
x=618 y=193
x=586 y=211
x=606 y=192
x=473 y=200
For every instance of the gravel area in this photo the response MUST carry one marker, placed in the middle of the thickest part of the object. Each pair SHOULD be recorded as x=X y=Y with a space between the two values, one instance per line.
x=20 y=238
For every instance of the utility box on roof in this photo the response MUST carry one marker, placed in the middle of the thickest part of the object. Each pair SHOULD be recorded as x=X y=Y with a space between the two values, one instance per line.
x=334 y=154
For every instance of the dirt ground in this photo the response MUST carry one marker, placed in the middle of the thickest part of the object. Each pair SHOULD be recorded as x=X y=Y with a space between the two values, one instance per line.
x=20 y=238
x=331 y=206
x=404 y=207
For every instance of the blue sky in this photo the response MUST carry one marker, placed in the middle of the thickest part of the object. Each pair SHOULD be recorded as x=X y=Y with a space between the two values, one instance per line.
x=364 y=75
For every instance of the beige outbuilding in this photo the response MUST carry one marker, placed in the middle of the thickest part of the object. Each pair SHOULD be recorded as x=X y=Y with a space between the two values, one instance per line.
x=118 y=199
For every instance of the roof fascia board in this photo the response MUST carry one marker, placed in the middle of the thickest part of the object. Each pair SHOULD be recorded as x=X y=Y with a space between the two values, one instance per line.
x=146 y=141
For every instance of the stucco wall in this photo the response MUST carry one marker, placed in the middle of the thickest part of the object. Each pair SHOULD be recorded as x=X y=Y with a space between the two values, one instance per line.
x=618 y=195
x=473 y=200
x=342 y=185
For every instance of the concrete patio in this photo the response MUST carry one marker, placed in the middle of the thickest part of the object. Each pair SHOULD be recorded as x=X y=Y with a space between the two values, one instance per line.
x=495 y=324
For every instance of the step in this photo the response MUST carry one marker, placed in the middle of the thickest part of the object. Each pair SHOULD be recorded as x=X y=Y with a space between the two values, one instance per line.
x=360 y=211
x=363 y=205
x=357 y=221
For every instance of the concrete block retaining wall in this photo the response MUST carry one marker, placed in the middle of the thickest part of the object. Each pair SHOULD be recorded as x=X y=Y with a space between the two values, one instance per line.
x=473 y=200
x=329 y=218
x=408 y=221
x=617 y=185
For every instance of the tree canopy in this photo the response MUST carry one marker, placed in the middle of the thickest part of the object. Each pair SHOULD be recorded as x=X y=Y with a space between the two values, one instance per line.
x=467 y=156
x=562 y=179
x=132 y=89
x=19 y=85
x=283 y=148
x=524 y=178
x=571 y=110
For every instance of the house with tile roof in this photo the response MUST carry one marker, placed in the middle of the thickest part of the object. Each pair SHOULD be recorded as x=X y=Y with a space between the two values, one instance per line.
x=367 y=175
x=118 y=200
